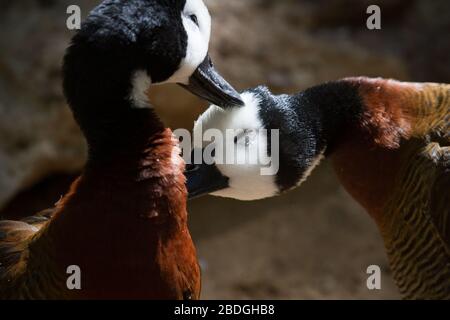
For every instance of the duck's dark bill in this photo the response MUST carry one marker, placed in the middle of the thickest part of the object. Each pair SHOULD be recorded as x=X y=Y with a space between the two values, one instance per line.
x=203 y=179
x=208 y=84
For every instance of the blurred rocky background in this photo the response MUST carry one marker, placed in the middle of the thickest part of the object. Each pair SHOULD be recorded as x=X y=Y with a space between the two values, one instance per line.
x=312 y=243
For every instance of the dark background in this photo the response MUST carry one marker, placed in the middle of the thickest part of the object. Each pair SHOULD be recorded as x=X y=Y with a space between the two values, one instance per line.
x=315 y=242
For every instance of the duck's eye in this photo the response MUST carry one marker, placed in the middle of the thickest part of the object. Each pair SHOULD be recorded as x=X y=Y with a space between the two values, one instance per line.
x=243 y=135
x=194 y=19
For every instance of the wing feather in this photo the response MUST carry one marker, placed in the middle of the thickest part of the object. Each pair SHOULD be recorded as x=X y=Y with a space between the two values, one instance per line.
x=14 y=236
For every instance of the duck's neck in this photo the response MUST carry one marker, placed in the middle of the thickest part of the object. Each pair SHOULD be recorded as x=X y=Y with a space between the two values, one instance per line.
x=311 y=124
x=131 y=194
x=381 y=159
x=362 y=145
x=121 y=138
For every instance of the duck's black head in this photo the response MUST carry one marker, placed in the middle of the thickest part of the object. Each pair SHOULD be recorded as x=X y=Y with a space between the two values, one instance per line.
x=124 y=46
x=306 y=126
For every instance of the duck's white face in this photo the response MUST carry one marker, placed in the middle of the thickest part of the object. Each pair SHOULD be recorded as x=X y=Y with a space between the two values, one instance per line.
x=195 y=71
x=197 y=23
x=246 y=179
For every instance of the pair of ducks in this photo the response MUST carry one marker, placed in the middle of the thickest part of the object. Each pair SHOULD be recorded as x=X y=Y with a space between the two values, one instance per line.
x=124 y=221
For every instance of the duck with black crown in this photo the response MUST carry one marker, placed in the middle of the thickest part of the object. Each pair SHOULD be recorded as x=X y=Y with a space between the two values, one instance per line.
x=124 y=220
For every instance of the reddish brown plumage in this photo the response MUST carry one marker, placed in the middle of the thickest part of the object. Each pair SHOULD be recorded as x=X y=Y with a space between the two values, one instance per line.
x=124 y=222
x=369 y=149
x=386 y=117
x=366 y=170
x=395 y=161
x=144 y=262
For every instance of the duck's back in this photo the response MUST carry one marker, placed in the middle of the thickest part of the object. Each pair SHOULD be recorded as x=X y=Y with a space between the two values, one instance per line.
x=395 y=161
x=416 y=219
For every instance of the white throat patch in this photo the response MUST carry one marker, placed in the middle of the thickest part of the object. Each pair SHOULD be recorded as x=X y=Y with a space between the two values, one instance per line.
x=139 y=95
